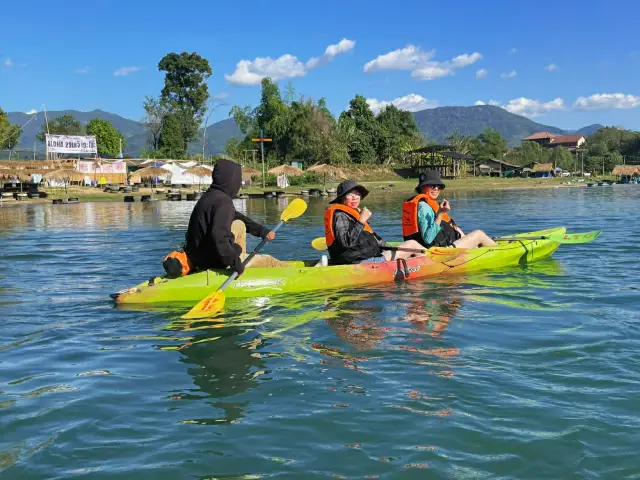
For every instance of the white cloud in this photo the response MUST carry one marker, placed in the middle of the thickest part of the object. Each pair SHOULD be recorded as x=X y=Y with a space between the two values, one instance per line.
x=330 y=52
x=512 y=51
x=412 y=103
x=82 y=70
x=491 y=102
x=533 y=108
x=551 y=67
x=480 y=74
x=8 y=62
x=419 y=62
x=251 y=72
x=123 y=71
x=465 y=60
x=432 y=71
x=406 y=58
x=511 y=74
x=32 y=111
x=600 y=101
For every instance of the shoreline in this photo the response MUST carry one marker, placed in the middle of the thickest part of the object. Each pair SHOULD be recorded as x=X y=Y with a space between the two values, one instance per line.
x=93 y=194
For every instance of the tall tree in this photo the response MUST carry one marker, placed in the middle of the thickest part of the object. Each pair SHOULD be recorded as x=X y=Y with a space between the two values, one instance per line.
x=397 y=133
x=185 y=92
x=363 y=145
x=63 y=125
x=107 y=137
x=9 y=133
x=155 y=111
x=493 y=145
x=172 y=143
x=562 y=158
x=460 y=143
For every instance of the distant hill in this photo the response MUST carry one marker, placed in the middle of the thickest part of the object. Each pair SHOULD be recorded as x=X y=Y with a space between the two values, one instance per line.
x=133 y=131
x=589 y=130
x=435 y=123
x=438 y=123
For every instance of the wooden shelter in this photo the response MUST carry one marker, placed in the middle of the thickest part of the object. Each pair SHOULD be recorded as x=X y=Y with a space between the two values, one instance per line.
x=439 y=157
x=626 y=170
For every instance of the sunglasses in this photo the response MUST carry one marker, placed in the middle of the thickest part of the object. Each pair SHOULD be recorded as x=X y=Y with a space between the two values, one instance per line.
x=433 y=187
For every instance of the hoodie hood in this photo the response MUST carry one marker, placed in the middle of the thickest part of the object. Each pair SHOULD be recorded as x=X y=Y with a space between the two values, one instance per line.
x=227 y=177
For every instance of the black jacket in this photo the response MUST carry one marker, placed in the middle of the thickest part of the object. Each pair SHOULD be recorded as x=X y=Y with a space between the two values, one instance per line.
x=352 y=244
x=209 y=241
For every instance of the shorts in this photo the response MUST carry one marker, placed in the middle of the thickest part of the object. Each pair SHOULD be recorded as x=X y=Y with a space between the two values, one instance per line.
x=379 y=259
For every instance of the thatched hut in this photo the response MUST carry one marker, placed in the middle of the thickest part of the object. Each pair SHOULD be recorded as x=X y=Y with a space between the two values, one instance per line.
x=544 y=170
x=626 y=173
x=327 y=170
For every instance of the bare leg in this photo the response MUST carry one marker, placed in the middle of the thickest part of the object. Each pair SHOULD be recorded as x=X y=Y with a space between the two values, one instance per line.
x=412 y=244
x=239 y=230
x=475 y=239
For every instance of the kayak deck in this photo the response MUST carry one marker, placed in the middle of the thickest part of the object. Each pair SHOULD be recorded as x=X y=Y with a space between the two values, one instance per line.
x=304 y=276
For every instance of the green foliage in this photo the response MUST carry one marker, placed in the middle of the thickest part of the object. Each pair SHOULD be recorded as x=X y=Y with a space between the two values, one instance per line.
x=527 y=153
x=461 y=143
x=155 y=111
x=63 y=125
x=9 y=133
x=611 y=146
x=492 y=144
x=397 y=132
x=172 y=144
x=363 y=146
x=182 y=103
x=562 y=158
x=107 y=137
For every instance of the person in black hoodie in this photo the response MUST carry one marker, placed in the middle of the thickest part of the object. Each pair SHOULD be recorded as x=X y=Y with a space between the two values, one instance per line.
x=210 y=240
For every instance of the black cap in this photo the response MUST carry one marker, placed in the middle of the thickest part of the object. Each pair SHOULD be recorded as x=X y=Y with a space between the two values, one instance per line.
x=345 y=187
x=430 y=177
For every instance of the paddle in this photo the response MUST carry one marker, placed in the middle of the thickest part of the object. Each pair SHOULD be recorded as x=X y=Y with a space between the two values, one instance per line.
x=320 y=243
x=214 y=302
x=569 y=238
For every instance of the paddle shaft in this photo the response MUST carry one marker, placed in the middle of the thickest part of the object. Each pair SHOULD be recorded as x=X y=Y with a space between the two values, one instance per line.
x=399 y=249
x=233 y=276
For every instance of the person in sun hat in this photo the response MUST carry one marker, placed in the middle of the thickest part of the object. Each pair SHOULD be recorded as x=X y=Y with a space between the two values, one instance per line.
x=349 y=237
x=428 y=223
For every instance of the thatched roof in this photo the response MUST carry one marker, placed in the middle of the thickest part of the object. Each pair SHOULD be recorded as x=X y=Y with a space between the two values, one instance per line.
x=250 y=171
x=198 y=171
x=286 y=169
x=626 y=170
x=325 y=169
x=64 y=174
x=150 y=172
x=543 y=167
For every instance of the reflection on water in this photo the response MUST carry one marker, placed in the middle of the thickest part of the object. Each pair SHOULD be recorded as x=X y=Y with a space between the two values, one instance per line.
x=526 y=372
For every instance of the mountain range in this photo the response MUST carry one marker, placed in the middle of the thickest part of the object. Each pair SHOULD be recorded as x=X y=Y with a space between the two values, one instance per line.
x=435 y=123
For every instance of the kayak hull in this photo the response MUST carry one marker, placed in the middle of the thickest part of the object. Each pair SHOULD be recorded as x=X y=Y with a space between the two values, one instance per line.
x=304 y=277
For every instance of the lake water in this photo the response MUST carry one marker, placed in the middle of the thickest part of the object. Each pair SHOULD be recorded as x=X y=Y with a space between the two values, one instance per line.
x=529 y=372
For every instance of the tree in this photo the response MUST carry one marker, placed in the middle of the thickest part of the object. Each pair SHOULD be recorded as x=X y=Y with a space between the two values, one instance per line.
x=362 y=147
x=107 y=137
x=185 y=93
x=493 y=145
x=63 y=125
x=9 y=133
x=460 y=143
x=562 y=158
x=155 y=111
x=397 y=132
x=171 y=140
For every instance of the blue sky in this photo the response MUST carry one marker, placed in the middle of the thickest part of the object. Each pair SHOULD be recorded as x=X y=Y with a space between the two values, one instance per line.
x=88 y=55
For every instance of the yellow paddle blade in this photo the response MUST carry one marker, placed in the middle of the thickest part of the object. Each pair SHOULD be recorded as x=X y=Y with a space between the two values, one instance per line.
x=294 y=210
x=207 y=307
x=319 y=243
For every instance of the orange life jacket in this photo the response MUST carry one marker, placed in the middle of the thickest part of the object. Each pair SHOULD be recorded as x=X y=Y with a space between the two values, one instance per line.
x=177 y=264
x=328 y=221
x=411 y=229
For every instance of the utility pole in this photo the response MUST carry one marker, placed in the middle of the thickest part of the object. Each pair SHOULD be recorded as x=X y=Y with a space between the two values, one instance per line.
x=262 y=140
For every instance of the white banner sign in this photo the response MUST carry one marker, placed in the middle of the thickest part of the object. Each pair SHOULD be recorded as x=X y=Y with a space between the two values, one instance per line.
x=71 y=144
x=91 y=167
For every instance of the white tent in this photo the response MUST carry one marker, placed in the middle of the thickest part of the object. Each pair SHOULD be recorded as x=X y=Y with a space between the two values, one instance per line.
x=178 y=177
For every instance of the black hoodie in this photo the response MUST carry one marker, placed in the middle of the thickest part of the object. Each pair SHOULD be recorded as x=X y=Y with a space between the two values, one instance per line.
x=209 y=241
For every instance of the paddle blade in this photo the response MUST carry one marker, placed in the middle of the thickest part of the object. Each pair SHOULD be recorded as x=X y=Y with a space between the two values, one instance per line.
x=296 y=208
x=584 y=237
x=319 y=243
x=207 y=307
